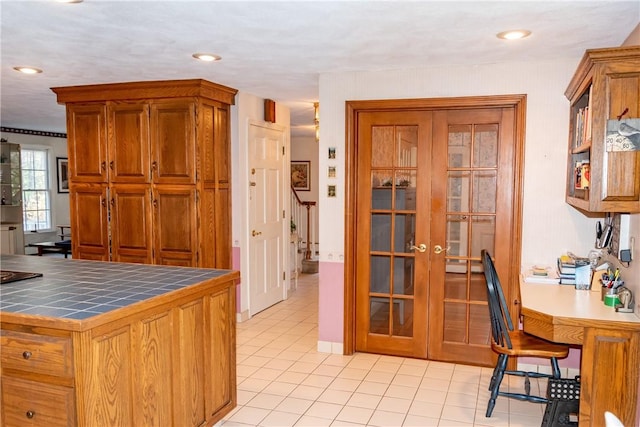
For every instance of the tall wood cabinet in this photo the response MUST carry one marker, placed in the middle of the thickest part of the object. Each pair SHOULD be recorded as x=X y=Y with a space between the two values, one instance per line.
x=604 y=90
x=149 y=172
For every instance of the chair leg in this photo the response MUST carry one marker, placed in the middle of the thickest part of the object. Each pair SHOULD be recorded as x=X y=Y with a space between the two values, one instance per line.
x=496 y=380
x=555 y=368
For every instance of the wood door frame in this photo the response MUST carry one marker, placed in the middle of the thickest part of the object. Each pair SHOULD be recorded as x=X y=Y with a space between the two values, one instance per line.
x=353 y=108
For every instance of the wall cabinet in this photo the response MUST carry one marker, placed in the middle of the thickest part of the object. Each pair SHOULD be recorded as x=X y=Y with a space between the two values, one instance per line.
x=604 y=90
x=149 y=172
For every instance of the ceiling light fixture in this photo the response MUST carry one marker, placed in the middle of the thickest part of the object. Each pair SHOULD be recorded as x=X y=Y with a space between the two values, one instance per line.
x=207 y=57
x=70 y=1
x=513 y=34
x=28 y=70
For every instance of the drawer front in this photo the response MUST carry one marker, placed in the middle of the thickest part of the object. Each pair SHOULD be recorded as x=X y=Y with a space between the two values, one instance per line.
x=28 y=403
x=36 y=353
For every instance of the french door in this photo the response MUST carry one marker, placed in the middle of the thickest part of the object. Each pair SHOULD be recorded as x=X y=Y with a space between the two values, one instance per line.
x=433 y=188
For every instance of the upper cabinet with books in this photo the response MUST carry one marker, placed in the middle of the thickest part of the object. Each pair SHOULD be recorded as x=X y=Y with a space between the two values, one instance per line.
x=603 y=168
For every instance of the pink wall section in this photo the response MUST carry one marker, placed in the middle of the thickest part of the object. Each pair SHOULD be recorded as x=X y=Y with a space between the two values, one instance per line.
x=331 y=302
x=235 y=264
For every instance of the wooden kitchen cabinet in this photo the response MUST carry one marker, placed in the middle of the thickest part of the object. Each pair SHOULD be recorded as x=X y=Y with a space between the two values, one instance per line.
x=171 y=137
x=605 y=87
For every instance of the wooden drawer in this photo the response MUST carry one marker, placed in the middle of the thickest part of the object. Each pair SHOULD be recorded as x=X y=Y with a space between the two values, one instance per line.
x=28 y=403
x=39 y=354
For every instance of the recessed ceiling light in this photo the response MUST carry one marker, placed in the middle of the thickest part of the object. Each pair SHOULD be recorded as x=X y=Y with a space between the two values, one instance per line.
x=208 y=57
x=28 y=70
x=70 y=1
x=513 y=34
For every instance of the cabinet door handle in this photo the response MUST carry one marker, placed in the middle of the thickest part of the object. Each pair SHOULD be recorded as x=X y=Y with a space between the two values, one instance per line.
x=103 y=165
x=104 y=203
x=113 y=202
x=155 y=203
x=30 y=414
x=111 y=165
x=154 y=165
x=26 y=355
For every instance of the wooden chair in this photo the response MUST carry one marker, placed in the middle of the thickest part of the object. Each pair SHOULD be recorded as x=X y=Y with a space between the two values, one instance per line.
x=507 y=342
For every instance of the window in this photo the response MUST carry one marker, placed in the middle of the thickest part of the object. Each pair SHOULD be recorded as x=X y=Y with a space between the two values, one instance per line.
x=35 y=189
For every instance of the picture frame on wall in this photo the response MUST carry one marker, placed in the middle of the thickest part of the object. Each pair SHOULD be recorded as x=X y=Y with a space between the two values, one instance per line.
x=62 y=171
x=301 y=175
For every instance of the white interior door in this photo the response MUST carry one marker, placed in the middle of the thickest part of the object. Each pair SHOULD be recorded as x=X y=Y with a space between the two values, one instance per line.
x=266 y=217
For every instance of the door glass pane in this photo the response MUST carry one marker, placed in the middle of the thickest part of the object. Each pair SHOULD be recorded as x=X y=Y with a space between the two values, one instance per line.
x=485 y=146
x=403 y=275
x=407 y=150
x=477 y=284
x=455 y=281
x=483 y=231
x=406 y=190
x=457 y=235
x=455 y=320
x=380 y=274
x=484 y=191
x=381 y=232
x=458 y=191
x=381 y=182
x=459 y=146
x=382 y=144
x=479 y=325
x=405 y=230
x=403 y=317
x=379 y=315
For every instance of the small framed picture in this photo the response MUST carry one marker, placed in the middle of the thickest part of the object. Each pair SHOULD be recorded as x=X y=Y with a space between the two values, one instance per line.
x=300 y=178
x=331 y=191
x=331 y=172
x=62 y=164
x=332 y=152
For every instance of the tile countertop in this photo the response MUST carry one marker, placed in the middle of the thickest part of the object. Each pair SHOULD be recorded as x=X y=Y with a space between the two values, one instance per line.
x=73 y=291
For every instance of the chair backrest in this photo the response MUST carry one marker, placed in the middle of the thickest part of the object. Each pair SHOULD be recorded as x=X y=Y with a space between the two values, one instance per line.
x=501 y=322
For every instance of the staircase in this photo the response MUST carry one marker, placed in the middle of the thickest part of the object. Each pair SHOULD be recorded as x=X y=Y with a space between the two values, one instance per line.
x=302 y=220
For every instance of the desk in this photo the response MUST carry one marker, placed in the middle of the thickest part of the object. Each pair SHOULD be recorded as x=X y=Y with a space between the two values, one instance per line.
x=610 y=364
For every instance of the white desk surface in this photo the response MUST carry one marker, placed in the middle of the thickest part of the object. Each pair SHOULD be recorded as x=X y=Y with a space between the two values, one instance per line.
x=565 y=301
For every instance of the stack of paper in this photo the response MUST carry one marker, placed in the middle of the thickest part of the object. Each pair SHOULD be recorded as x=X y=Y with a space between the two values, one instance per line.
x=540 y=274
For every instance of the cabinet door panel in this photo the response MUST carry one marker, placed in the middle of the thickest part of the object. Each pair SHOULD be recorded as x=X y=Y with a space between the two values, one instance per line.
x=175 y=224
x=222 y=359
x=621 y=170
x=87 y=133
x=131 y=223
x=89 y=222
x=129 y=143
x=173 y=142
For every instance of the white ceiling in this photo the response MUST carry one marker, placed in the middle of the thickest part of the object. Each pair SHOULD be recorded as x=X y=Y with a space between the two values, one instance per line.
x=276 y=49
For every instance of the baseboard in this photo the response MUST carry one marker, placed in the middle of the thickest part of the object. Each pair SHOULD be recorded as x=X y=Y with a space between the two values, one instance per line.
x=330 y=347
x=242 y=317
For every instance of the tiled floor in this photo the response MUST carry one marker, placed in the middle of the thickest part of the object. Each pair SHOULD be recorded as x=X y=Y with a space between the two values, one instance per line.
x=284 y=381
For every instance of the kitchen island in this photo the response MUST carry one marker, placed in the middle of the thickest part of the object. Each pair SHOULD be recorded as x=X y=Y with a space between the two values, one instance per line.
x=113 y=344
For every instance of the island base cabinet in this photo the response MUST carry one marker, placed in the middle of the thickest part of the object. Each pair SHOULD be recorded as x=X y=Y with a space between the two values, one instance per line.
x=170 y=368
x=170 y=364
x=28 y=403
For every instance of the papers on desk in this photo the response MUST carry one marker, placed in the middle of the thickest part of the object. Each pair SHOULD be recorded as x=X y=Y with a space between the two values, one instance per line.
x=537 y=274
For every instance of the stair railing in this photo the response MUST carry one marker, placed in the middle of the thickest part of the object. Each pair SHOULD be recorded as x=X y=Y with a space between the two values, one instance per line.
x=303 y=216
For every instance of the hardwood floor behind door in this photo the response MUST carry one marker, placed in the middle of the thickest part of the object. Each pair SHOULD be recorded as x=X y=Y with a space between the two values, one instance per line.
x=428 y=187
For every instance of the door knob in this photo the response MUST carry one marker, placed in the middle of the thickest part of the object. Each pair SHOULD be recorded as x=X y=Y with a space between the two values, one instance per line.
x=420 y=248
x=255 y=233
x=438 y=249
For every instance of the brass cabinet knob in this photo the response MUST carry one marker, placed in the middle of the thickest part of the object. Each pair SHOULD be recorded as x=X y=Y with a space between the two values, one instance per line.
x=26 y=355
x=30 y=414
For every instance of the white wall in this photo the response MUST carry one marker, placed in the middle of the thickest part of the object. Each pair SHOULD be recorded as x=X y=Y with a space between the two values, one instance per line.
x=550 y=226
x=248 y=108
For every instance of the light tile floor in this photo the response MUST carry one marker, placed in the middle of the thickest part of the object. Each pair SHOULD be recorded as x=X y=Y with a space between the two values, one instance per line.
x=284 y=381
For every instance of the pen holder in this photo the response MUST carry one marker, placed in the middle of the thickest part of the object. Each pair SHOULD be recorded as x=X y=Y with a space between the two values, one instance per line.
x=611 y=300
x=608 y=291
